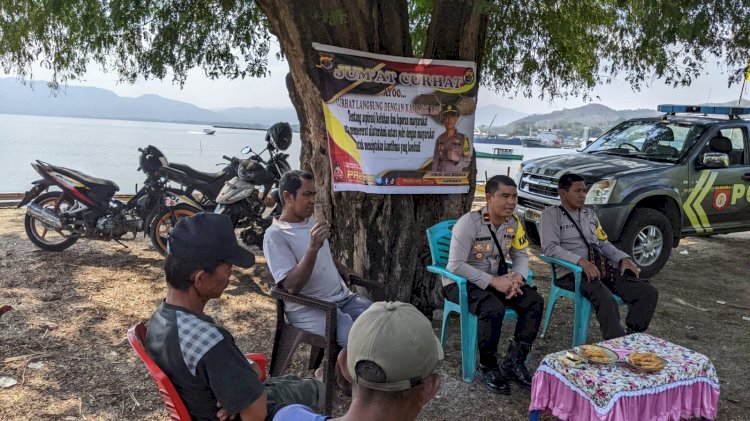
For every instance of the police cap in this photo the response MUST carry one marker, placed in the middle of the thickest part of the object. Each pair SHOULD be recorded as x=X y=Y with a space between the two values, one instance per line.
x=448 y=109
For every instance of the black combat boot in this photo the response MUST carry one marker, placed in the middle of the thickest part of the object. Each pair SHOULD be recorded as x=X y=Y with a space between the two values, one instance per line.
x=493 y=379
x=514 y=365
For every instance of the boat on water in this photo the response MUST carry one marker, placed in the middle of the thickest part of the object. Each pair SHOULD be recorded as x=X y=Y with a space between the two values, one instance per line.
x=497 y=140
x=535 y=142
x=209 y=131
x=500 y=153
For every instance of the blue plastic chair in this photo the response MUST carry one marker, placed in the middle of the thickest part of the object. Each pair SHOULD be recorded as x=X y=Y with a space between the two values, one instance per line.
x=582 y=305
x=439 y=237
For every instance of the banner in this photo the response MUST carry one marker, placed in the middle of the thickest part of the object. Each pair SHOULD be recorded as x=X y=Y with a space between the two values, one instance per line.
x=397 y=125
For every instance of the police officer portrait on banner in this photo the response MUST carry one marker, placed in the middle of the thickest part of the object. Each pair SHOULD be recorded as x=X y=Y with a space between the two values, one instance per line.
x=572 y=232
x=452 y=148
x=480 y=244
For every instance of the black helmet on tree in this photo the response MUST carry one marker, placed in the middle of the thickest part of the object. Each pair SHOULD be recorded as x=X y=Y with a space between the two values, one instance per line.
x=279 y=135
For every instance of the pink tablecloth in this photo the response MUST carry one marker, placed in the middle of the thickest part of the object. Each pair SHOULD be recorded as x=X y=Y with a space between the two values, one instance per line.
x=687 y=387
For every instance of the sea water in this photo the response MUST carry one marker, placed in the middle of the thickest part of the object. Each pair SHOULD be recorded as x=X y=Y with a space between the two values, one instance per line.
x=109 y=148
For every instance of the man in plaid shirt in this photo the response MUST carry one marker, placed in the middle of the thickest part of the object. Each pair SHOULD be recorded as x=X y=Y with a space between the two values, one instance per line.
x=212 y=376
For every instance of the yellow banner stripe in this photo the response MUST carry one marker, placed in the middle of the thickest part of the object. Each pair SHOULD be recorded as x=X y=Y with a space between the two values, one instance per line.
x=352 y=86
x=465 y=88
x=340 y=136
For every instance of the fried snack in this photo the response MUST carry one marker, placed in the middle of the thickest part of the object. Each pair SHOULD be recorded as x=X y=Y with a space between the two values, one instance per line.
x=594 y=353
x=647 y=360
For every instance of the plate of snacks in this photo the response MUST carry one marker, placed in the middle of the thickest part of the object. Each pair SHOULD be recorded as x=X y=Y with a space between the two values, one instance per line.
x=597 y=354
x=647 y=362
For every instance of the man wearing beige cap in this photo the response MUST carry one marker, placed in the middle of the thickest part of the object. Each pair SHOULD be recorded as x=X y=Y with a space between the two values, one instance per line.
x=390 y=360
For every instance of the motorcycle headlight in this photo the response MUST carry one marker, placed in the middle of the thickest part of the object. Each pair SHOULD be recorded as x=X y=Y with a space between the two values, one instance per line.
x=599 y=192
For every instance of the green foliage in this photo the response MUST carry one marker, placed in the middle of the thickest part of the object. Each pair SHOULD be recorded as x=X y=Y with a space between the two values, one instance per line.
x=420 y=13
x=151 y=38
x=553 y=47
x=566 y=47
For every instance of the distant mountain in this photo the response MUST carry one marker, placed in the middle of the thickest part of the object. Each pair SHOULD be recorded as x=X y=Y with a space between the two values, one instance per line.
x=484 y=115
x=88 y=102
x=259 y=115
x=592 y=115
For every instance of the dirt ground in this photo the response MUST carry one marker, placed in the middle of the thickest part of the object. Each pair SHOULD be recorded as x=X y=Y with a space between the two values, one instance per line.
x=71 y=311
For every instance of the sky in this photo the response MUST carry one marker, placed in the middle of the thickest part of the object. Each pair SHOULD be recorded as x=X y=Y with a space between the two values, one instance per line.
x=270 y=92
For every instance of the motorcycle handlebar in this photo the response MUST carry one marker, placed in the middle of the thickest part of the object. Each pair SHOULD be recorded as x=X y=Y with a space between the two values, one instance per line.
x=227 y=158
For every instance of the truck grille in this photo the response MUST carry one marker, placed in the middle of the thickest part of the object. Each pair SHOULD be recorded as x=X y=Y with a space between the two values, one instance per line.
x=530 y=204
x=539 y=184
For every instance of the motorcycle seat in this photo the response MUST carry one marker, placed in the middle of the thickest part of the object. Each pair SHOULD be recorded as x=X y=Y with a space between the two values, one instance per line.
x=199 y=175
x=87 y=179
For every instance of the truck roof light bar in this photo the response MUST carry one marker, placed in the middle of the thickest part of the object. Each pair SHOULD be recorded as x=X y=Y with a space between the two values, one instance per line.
x=732 y=112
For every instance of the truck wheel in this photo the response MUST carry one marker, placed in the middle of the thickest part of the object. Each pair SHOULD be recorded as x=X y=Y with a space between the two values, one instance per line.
x=648 y=238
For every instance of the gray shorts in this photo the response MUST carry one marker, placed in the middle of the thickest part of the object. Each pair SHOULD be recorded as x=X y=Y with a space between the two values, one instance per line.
x=314 y=321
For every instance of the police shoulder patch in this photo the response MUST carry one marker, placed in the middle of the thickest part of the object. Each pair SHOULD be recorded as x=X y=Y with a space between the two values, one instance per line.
x=519 y=240
x=600 y=234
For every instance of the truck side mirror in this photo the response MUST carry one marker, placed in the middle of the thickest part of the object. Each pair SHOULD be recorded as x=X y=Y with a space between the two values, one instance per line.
x=715 y=160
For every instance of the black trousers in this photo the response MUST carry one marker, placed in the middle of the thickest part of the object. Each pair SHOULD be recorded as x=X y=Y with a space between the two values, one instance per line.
x=639 y=294
x=489 y=307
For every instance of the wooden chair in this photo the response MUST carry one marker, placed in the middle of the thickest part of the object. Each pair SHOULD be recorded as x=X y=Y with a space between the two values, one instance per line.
x=288 y=338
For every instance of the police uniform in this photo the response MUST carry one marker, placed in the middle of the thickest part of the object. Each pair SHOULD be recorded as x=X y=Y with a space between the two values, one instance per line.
x=445 y=145
x=474 y=256
x=561 y=239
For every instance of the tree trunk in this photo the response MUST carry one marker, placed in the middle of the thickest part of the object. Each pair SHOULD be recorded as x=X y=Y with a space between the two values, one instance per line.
x=380 y=236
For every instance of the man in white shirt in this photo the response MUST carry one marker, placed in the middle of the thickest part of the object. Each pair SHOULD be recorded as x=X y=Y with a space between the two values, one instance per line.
x=299 y=256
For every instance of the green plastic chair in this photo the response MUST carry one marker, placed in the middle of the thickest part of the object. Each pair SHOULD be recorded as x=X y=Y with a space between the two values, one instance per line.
x=582 y=305
x=439 y=237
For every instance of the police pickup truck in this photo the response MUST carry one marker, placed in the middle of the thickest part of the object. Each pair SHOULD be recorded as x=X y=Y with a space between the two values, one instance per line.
x=655 y=180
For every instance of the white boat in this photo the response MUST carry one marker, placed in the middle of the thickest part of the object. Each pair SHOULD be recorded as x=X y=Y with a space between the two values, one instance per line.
x=209 y=131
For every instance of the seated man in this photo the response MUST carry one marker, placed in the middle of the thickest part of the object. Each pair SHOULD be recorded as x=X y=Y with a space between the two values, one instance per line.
x=391 y=355
x=572 y=232
x=297 y=251
x=480 y=243
x=200 y=358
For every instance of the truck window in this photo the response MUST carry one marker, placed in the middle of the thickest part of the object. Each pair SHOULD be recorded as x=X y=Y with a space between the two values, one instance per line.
x=737 y=136
x=657 y=140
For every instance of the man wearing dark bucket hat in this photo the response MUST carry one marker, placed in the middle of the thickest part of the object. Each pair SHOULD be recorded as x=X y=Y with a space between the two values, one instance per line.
x=390 y=360
x=201 y=358
x=452 y=148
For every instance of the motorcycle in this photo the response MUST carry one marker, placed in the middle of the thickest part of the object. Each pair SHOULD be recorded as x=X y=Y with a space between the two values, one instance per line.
x=247 y=197
x=203 y=187
x=85 y=208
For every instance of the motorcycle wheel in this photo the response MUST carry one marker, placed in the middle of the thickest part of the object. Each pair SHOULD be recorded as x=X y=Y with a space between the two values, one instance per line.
x=44 y=236
x=163 y=223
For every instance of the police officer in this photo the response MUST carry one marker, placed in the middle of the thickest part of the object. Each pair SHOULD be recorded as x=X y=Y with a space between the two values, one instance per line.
x=481 y=242
x=562 y=230
x=452 y=149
